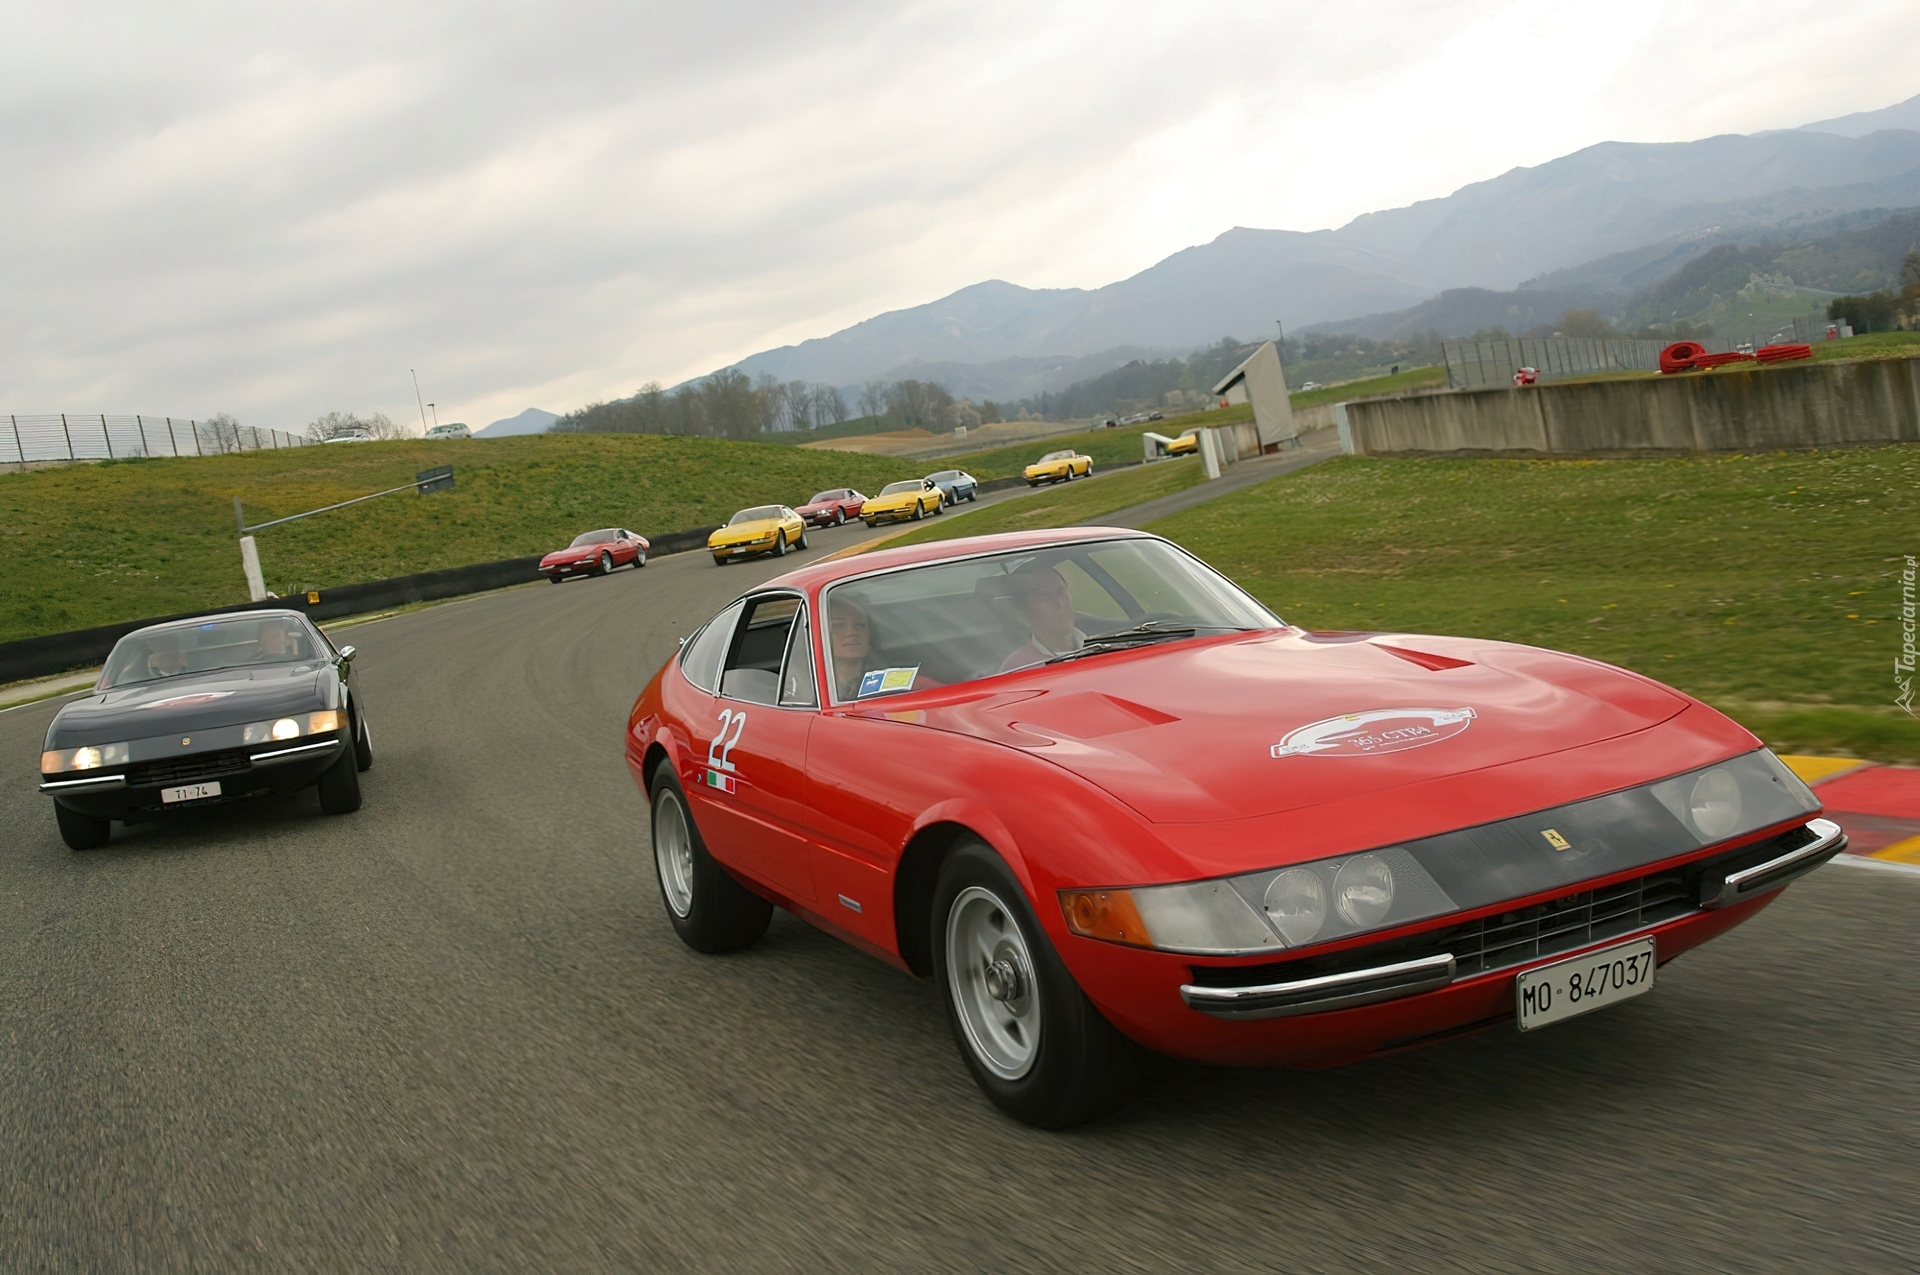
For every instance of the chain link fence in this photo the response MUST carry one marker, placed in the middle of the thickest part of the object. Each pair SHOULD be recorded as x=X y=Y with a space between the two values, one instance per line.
x=1477 y=364
x=101 y=437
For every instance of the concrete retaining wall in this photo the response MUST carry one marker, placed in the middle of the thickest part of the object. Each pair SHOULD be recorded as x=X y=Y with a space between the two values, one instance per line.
x=1835 y=404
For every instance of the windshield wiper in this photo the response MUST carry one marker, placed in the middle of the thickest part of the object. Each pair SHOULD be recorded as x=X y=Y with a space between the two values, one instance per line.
x=1138 y=635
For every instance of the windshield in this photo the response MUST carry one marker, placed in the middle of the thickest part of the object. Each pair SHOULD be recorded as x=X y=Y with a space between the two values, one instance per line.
x=950 y=622
x=1056 y=456
x=200 y=648
x=822 y=497
x=945 y=475
x=759 y=513
x=592 y=538
x=894 y=489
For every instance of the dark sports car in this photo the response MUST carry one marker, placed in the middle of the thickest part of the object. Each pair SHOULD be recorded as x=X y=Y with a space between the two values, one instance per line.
x=201 y=712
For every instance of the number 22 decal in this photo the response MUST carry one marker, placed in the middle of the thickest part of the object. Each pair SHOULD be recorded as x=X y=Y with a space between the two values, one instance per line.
x=718 y=751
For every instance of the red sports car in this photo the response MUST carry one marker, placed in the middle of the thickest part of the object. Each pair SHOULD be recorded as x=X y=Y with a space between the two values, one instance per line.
x=831 y=508
x=594 y=553
x=1103 y=798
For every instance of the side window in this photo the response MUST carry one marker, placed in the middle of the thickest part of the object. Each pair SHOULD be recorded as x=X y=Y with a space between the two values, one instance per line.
x=797 y=687
x=700 y=658
x=752 y=670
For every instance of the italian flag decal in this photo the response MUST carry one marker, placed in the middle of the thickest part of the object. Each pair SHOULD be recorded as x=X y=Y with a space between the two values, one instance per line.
x=720 y=780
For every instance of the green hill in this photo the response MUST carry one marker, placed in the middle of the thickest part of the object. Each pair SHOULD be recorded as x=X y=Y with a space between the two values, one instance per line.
x=93 y=544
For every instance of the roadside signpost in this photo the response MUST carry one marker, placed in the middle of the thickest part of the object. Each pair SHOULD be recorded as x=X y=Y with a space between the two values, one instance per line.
x=439 y=478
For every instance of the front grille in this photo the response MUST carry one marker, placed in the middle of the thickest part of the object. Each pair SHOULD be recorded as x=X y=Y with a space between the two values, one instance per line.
x=188 y=769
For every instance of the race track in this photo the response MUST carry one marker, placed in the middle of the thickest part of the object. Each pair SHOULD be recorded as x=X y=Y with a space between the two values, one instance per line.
x=454 y=1030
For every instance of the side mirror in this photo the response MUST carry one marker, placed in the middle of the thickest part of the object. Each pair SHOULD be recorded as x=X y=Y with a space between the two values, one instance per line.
x=346 y=655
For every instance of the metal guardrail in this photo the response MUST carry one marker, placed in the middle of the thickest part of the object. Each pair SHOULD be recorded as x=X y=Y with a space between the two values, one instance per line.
x=63 y=436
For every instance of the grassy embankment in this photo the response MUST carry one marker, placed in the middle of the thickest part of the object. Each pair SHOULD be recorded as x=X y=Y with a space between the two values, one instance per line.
x=1765 y=585
x=94 y=544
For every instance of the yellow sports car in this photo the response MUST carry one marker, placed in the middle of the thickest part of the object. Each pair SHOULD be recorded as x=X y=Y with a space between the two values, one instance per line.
x=914 y=498
x=1058 y=467
x=770 y=529
x=1185 y=445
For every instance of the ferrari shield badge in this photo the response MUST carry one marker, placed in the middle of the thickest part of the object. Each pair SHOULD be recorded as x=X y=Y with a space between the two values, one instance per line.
x=1380 y=730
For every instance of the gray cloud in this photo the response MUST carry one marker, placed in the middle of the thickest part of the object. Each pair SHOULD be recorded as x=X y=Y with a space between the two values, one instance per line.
x=278 y=209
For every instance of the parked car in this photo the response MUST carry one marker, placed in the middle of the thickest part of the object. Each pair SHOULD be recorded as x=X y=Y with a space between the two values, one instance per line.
x=453 y=429
x=595 y=553
x=352 y=436
x=1056 y=467
x=1185 y=445
x=773 y=529
x=832 y=507
x=912 y=498
x=206 y=712
x=1103 y=798
x=956 y=484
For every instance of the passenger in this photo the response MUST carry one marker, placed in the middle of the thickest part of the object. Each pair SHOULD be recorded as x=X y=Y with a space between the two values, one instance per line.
x=1042 y=597
x=274 y=647
x=167 y=660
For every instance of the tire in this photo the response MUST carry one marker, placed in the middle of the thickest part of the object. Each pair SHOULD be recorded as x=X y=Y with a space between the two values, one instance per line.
x=919 y=512
x=81 y=831
x=558 y=579
x=720 y=560
x=362 y=745
x=640 y=559
x=973 y=494
x=839 y=517
x=708 y=909
x=940 y=508
x=780 y=546
x=802 y=542
x=1033 y=482
x=1043 y=1055
x=340 y=786
x=606 y=563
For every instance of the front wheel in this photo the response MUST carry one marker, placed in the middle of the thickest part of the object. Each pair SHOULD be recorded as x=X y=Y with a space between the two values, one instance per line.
x=839 y=517
x=1035 y=1044
x=939 y=507
x=720 y=560
x=919 y=512
x=81 y=831
x=640 y=559
x=340 y=786
x=709 y=910
x=362 y=745
x=780 y=546
x=557 y=579
x=606 y=563
x=973 y=494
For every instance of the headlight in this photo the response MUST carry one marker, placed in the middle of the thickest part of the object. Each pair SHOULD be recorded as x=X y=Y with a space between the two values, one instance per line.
x=294 y=727
x=1296 y=905
x=87 y=757
x=1714 y=804
x=1263 y=911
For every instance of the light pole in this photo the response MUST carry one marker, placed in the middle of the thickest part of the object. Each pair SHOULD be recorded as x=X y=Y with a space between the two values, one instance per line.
x=435 y=409
x=416 y=399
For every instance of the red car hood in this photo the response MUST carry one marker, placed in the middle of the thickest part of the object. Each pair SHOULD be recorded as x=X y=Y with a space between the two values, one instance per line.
x=573 y=555
x=1254 y=725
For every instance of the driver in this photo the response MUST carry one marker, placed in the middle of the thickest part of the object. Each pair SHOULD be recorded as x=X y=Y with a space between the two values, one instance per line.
x=274 y=646
x=851 y=638
x=1040 y=593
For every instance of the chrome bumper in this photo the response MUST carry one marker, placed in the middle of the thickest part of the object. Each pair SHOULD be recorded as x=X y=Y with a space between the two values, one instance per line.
x=1317 y=995
x=1763 y=878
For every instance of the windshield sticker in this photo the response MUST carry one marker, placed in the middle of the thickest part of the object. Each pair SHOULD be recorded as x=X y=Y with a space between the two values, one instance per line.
x=1383 y=730
x=887 y=681
x=181 y=701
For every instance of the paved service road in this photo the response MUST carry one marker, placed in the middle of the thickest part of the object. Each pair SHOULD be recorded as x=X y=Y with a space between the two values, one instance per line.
x=454 y=1031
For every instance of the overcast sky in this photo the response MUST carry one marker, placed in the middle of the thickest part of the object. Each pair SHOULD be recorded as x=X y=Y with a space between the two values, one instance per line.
x=277 y=209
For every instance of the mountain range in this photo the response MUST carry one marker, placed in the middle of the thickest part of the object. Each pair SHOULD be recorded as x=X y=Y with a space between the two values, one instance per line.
x=1610 y=215
x=531 y=421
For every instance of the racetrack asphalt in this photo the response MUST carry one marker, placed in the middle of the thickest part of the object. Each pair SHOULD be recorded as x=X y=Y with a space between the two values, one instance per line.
x=455 y=1031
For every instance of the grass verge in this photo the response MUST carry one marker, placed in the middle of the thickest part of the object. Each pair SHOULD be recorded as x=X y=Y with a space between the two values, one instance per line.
x=1766 y=585
x=94 y=544
x=1064 y=504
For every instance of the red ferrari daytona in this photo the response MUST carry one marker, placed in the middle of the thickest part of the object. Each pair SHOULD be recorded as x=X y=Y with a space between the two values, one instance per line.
x=596 y=553
x=1104 y=799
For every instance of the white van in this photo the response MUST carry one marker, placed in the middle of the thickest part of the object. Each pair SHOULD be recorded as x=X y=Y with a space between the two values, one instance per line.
x=453 y=429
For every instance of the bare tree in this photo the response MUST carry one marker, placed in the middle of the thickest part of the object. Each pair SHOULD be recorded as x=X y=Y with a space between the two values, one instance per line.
x=334 y=424
x=828 y=407
x=873 y=398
